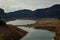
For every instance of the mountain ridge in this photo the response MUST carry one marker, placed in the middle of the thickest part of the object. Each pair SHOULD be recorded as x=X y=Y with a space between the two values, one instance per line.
x=51 y=12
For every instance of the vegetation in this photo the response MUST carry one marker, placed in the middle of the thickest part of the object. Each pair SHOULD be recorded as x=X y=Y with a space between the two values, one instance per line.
x=1 y=37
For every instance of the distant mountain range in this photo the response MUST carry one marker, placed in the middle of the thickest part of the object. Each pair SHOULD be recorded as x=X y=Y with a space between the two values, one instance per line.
x=20 y=14
x=51 y=12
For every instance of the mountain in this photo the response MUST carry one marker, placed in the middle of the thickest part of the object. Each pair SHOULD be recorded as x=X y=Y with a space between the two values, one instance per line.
x=39 y=13
x=51 y=12
x=54 y=11
x=19 y=14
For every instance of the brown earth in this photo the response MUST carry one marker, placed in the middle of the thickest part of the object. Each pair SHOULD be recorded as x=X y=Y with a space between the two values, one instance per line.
x=11 y=32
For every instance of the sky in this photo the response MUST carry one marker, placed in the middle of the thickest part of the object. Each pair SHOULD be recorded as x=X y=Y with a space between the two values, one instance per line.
x=13 y=5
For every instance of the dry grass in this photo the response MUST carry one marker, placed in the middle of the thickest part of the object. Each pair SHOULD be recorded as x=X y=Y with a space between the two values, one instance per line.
x=46 y=22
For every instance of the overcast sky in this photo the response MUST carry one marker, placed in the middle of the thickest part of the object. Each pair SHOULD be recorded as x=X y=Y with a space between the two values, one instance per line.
x=12 y=5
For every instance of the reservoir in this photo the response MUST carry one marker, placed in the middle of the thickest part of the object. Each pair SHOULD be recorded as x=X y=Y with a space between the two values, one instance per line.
x=33 y=34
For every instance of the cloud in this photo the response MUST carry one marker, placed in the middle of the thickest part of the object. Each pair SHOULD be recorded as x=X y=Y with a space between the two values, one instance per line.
x=12 y=5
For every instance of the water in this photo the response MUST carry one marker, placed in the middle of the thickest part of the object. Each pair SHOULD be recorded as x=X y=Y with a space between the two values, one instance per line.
x=21 y=22
x=33 y=34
